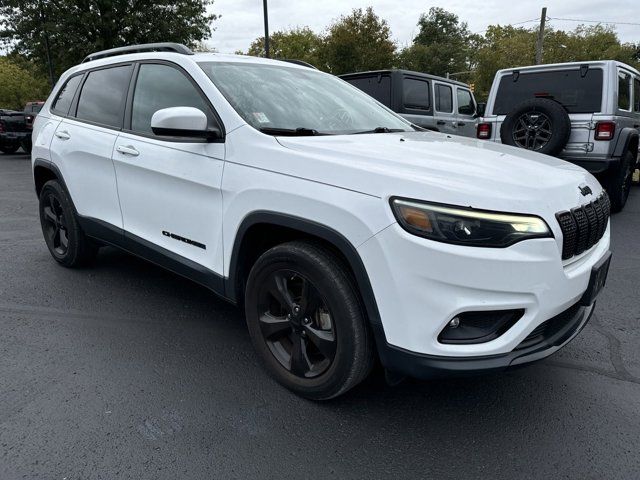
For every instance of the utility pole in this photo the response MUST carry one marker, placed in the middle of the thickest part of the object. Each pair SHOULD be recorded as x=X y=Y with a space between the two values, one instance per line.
x=47 y=47
x=540 y=42
x=266 y=29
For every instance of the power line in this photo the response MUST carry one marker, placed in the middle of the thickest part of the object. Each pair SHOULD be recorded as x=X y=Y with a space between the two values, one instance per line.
x=593 y=21
x=511 y=25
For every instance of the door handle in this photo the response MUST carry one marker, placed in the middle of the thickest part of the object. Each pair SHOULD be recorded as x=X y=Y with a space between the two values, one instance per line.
x=440 y=122
x=127 y=150
x=461 y=124
x=63 y=135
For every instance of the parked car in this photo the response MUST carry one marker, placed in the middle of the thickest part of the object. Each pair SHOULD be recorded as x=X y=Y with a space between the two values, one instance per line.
x=13 y=131
x=31 y=110
x=431 y=102
x=587 y=113
x=343 y=230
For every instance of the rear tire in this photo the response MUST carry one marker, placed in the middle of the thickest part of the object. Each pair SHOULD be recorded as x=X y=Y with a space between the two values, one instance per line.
x=618 y=182
x=67 y=243
x=325 y=348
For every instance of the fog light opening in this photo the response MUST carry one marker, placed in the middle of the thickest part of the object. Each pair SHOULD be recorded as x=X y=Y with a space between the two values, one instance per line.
x=479 y=327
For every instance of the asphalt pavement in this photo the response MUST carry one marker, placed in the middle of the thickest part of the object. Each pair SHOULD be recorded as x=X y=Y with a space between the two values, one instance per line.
x=125 y=371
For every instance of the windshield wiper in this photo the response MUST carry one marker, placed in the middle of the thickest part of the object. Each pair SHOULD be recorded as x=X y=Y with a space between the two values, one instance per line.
x=291 y=132
x=381 y=130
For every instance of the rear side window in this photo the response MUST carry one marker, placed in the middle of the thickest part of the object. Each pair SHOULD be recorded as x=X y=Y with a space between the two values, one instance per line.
x=466 y=105
x=103 y=96
x=162 y=86
x=416 y=93
x=444 y=98
x=578 y=90
x=636 y=94
x=379 y=87
x=63 y=101
x=624 y=91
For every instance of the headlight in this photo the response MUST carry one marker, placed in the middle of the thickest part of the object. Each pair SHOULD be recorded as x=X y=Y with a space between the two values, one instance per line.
x=466 y=226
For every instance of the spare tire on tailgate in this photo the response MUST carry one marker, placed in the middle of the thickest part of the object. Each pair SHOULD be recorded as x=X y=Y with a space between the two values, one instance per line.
x=539 y=124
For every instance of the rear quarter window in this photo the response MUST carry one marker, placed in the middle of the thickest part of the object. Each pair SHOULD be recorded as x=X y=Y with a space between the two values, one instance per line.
x=379 y=87
x=63 y=100
x=577 y=90
x=624 y=91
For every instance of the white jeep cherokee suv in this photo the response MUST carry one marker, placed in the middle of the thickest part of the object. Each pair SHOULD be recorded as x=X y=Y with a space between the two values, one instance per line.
x=345 y=231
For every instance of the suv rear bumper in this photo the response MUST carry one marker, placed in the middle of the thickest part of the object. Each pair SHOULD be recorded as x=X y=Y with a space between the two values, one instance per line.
x=594 y=164
x=567 y=326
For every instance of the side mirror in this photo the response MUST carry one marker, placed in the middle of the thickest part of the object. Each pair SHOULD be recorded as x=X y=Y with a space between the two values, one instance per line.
x=186 y=122
x=481 y=109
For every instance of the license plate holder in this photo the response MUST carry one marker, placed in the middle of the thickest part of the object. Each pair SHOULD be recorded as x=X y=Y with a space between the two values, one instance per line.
x=597 y=281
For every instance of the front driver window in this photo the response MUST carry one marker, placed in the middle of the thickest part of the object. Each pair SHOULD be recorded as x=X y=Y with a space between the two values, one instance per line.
x=161 y=86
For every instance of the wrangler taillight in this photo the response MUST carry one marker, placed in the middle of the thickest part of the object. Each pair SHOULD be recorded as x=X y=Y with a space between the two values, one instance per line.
x=484 y=131
x=605 y=130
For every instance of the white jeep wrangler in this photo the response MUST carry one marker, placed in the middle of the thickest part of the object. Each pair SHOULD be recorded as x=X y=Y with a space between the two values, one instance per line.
x=343 y=230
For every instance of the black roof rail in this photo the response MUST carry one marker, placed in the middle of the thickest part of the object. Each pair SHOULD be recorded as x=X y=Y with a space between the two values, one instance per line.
x=297 y=62
x=145 y=47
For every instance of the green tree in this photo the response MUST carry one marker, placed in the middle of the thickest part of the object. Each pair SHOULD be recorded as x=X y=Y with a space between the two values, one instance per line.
x=442 y=45
x=75 y=28
x=356 y=42
x=507 y=47
x=19 y=85
x=300 y=43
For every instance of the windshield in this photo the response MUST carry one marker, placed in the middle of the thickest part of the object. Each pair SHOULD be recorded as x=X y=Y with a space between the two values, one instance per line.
x=274 y=99
x=579 y=91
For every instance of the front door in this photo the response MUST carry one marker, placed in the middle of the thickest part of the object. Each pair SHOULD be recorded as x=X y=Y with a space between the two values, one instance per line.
x=466 y=111
x=169 y=187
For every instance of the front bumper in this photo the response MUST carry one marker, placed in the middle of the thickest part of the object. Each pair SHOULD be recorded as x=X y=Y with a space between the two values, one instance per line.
x=420 y=285
x=561 y=330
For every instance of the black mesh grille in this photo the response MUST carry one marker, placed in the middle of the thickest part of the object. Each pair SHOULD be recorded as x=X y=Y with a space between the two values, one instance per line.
x=584 y=226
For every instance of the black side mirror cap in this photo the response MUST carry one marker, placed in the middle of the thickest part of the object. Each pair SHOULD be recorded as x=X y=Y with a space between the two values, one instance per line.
x=481 y=109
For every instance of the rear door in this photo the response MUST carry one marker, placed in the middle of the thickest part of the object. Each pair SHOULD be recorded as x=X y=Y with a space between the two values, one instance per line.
x=465 y=112
x=83 y=142
x=444 y=105
x=417 y=106
x=169 y=187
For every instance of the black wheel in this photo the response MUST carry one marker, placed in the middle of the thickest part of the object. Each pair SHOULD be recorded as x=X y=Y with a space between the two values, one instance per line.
x=65 y=239
x=9 y=148
x=306 y=321
x=539 y=124
x=618 y=182
x=26 y=146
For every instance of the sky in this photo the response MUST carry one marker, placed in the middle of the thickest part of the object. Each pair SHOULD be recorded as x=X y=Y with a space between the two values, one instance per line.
x=242 y=20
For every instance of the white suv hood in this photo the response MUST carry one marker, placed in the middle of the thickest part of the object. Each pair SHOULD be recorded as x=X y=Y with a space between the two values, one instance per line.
x=442 y=168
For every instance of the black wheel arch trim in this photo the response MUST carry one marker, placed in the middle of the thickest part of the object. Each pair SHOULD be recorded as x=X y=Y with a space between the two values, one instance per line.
x=624 y=139
x=325 y=233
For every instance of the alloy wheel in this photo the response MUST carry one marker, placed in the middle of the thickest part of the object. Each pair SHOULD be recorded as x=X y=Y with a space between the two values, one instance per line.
x=55 y=225
x=296 y=324
x=532 y=131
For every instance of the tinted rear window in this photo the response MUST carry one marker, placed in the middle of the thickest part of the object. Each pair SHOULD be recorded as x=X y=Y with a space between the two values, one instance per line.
x=578 y=93
x=103 y=96
x=65 y=96
x=379 y=87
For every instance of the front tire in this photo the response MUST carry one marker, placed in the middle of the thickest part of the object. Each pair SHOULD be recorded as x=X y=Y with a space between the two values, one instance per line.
x=67 y=243
x=618 y=182
x=306 y=321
